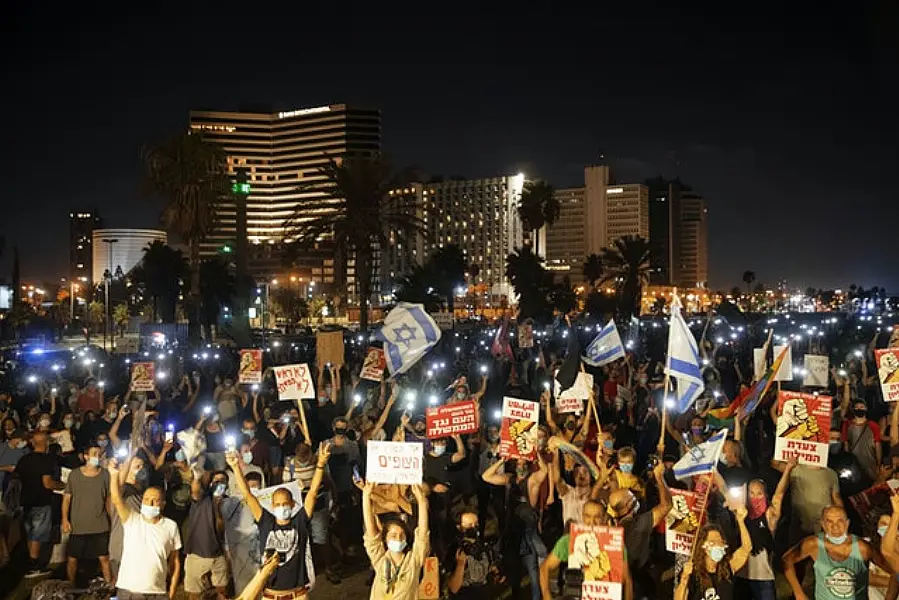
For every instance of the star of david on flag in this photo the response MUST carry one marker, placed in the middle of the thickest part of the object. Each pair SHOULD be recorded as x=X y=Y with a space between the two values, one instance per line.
x=605 y=347
x=408 y=334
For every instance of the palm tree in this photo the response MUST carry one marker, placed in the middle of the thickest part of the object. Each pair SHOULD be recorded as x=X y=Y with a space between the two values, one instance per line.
x=293 y=306
x=538 y=206
x=593 y=269
x=417 y=286
x=356 y=214
x=317 y=305
x=627 y=263
x=216 y=290
x=531 y=281
x=191 y=174
x=121 y=316
x=748 y=279
x=96 y=316
x=160 y=273
x=446 y=267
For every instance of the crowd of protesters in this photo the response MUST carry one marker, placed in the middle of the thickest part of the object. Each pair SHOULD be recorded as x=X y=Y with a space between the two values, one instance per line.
x=149 y=492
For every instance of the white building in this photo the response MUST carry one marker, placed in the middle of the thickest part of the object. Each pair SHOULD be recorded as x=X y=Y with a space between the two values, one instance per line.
x=123 y=249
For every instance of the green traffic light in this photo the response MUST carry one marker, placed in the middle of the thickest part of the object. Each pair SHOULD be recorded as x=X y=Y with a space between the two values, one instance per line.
x=240 y=188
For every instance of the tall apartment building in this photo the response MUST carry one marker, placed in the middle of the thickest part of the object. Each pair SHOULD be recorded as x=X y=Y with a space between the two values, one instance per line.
x=478 y=215
x=678 y=234
x=283 y=152
x=81 y=229
x=592 y=217
x=120 y=250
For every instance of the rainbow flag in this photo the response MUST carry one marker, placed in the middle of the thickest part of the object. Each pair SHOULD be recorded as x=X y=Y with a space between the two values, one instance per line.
x=750 y=401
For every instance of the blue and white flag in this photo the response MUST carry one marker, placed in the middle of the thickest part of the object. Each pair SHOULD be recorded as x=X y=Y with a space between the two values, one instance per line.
x=683 y=364
x=702 y=458
x=605 y=347
x=408 y=334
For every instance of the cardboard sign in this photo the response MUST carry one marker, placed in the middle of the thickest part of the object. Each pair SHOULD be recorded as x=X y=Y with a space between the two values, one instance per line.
x=569 y=405
x=816 y=368
x=888 y=373
x=250 y=369
x=875 y=499
x=518 y=433
x=374 y=365
x=683 y=521
x=803 y=428
x=143 y=377
x=785 y=372
x=429 y=588
x=599 y=553
x=581 y=389
x=526 y=336
x=329 y=348
x=294 y=382
x=394 y=462
x=452 y=419
x=759 y=363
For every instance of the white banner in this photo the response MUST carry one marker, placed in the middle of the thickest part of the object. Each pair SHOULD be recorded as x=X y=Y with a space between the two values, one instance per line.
x=816 y=368
x=579 y=391
x=394 y=462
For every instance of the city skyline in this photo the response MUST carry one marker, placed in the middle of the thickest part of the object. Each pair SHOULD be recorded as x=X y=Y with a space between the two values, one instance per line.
x=785 y=129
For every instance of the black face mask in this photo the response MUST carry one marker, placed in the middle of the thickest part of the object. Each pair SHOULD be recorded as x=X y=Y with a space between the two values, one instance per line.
x=570 y=425
x=860 y=412
x=470 y=533
x=340 y=431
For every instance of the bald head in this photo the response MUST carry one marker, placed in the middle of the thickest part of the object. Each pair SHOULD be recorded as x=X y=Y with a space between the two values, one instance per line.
x=622 y=502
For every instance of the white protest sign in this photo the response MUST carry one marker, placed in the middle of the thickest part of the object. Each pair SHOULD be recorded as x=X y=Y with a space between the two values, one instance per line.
x=394 y=462
x=579 y=391
x=785 y=373
x=816 y=367
x=759 y=363
x=294 y=382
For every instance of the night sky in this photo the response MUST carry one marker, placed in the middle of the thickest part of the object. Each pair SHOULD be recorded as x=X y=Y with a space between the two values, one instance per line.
x=786 y=122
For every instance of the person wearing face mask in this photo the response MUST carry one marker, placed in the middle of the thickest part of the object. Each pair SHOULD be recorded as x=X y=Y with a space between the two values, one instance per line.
x=710 y=571
x=242 y=535
x=84 y=515
x=881 y=584
x=150 y=544
x=259 y=444
x=840 y=560
x=135 y=471
x=861 y=437
x=284 y=530
x=756 y=578
x=344 y=455
x=246 y=466
x=38 y=474
x=490 y=496
x=9 y=427
x=204 y=534
x=623 y=475
x=91 y=397
x=395 y=561
x=11 y=451
x=436 y=473
x=471 y=562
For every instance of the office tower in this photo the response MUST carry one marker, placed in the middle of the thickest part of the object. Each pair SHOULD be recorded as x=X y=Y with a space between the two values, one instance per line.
x=627 y=212
x=283 y=152
x=120 y=250
x=81 y=228
x=678 y=234
x=478 y=215
x=693 y=258
x=566 y=242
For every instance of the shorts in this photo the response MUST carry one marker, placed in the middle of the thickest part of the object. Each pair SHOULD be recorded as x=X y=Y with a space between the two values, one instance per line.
x=195 y=567
x=126 y=595
x=39 y=524
x=275 y=456
x=88 y=545
x=318 y=526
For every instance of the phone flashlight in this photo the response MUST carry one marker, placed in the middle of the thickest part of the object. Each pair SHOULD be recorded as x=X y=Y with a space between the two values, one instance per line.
x=207 y=410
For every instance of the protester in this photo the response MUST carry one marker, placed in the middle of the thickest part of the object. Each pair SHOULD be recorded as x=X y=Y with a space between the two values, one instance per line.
x=84 y=515
x=38 y=473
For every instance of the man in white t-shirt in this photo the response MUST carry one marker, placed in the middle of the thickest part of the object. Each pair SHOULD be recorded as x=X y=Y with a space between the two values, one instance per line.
x=151 y=545
x=575 y=497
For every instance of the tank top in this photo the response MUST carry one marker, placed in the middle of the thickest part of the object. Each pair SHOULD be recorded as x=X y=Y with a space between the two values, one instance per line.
x=840 y=580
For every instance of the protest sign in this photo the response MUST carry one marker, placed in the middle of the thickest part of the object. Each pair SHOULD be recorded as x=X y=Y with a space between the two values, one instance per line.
x=452 y=419
x=526 y=336
x=599 y=553
x=803 y=428
x=518 y=432
x=888 y=372
x=759 y=363
x=785 y=372
x=581 y=389
x=683 y=521
x=143 y=377
x=394 y=462
x=816 y=368
x=429 y=587
x=329 y=348
x=294 y=382
x=875 y=499
x=374 y=365
x=250 y=370
x=569 y=405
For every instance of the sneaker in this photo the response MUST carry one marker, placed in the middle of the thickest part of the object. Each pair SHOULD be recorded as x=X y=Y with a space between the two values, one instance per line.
x=37 y=572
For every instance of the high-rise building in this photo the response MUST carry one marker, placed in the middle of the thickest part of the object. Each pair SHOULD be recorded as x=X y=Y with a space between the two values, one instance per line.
x=478 y=215
x=120 y=250
x=283 y=152
x=81 y=228
x=592 y=217
x=678 y=234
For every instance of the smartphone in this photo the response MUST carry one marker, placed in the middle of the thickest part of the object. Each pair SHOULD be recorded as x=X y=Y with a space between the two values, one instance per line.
x=169 y=436
x=356 y=475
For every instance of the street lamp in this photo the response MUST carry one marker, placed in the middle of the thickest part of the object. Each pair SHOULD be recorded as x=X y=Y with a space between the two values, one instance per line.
x=108 y=277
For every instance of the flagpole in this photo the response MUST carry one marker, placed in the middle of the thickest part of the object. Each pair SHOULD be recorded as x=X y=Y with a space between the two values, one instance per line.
x=661 y=445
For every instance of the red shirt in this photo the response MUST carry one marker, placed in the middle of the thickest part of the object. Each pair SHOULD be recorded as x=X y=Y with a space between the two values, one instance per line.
x=90 y=401
x=875 y=429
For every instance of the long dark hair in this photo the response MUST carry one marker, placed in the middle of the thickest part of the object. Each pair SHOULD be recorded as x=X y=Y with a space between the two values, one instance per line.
x=699 y=571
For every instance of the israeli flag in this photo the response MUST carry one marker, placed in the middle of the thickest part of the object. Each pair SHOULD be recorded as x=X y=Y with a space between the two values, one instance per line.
x=408 y=334
x=702 y=458
x=683 y=364
x=605 y=347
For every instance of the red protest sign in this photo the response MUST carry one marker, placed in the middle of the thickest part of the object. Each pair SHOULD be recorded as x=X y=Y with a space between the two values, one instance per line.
x=374 y=365
x=599 y=553
x=452 y=419
x=518 y=433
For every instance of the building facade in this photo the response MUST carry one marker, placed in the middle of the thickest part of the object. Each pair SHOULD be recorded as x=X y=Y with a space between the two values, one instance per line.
x=283 y=153
x=120 y=250
x=81 y=236
x=678 y=234
x=478 y=215
x=566 y=242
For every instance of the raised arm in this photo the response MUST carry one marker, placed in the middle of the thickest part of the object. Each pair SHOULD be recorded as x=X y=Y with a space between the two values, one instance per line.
x=741 y=555
x=324 y=453
x=115 y=493
x=777 y=499
x=460 y=450
x=386 y=412
x=371 y=529
x=544 y=398
x=665 y=504
x=480 y=393
x=114 y=430
x=493 y=475
x=889 y=547
x=251 y=500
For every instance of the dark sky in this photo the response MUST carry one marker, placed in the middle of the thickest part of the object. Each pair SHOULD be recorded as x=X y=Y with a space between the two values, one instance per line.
x=786 y=122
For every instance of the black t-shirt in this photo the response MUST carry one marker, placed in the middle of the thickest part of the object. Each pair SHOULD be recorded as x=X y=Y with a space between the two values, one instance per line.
x=290 y=542
x=31 y=469
x=436 y=467
x=637 y=535
x=203 y=535
x=719 y=589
